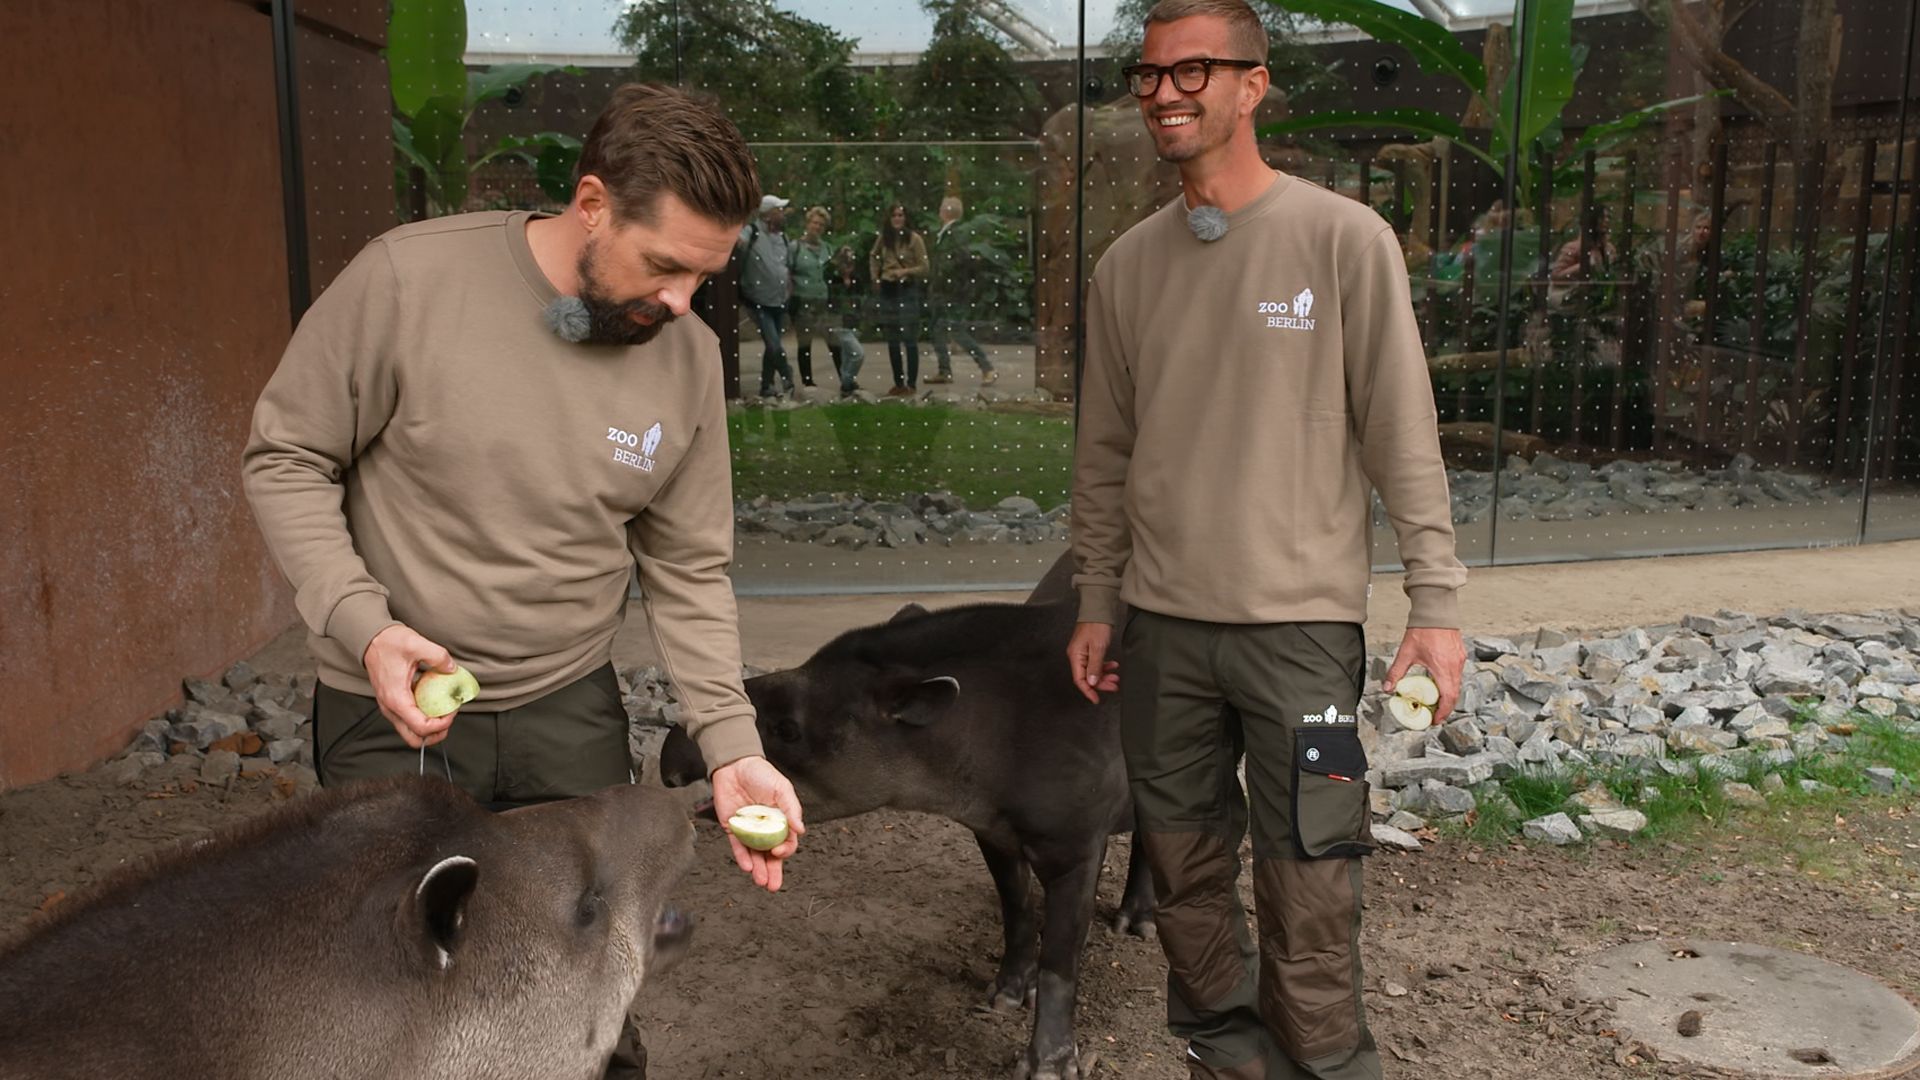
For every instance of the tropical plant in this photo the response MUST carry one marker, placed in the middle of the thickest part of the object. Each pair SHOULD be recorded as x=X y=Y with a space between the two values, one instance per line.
x=1525 y=108
x=434 y=96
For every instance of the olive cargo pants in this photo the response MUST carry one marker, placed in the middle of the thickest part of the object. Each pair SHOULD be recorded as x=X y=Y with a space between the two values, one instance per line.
x=572 y=741
x=1194 y=697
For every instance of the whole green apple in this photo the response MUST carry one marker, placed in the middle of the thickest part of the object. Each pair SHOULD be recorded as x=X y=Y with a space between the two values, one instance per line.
x=439 y=693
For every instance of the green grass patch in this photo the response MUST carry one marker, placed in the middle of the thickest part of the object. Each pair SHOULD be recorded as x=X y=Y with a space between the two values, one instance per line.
x=888 y=451
x=1494 y=819
x=1880 y=742
x=1677 y=806
x=1534 y=793
x=1678 y=802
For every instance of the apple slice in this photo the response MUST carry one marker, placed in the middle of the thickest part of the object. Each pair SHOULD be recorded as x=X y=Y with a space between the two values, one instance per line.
x=1409 y=714
x=761 y=828
x=439 y=693
x=1418 y=688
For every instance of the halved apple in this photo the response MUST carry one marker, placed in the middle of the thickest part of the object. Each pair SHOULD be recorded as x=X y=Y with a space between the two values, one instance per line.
x=1409 y=714
x=761 y=828
x=1418 y=688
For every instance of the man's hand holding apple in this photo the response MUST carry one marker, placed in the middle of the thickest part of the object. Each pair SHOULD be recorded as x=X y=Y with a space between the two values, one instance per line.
x=392 y=658
x=753 y=781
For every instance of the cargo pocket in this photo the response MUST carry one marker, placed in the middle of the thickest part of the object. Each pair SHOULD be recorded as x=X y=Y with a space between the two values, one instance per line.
x=1330 y=793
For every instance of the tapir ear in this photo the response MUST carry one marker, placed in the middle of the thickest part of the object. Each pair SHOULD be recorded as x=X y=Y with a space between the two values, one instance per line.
x=909 y=611
x=439 y=907
x=921 y=702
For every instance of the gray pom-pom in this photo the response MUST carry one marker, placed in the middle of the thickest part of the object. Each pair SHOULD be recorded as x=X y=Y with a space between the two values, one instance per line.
x=568 y=319
x=1209 y=223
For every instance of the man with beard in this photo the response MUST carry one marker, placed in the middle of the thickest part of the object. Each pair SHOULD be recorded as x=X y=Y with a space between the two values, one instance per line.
x=1256 y=333
x=474 y=437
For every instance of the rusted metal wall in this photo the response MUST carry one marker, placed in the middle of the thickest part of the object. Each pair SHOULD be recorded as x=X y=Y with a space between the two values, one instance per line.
x=144 y=303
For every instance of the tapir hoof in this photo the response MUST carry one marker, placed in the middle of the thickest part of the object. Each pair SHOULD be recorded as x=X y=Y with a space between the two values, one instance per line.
x=1139 y=924
x=1063 y=1064
x=1013 y=999
x=1015 y=991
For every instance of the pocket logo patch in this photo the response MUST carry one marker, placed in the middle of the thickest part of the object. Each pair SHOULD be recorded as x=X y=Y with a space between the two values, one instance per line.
x=1330 y=716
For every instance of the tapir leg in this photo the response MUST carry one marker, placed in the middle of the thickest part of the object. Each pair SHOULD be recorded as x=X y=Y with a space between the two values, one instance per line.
x=1136 y=900
x=1013 y=880
x=1069 y=912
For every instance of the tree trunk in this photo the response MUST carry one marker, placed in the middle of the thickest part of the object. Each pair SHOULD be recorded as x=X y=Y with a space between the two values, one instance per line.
x=1706 y=113
x=1813 y=74
x=1724 y=71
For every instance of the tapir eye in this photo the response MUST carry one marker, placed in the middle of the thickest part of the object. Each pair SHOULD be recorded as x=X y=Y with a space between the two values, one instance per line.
x=786 y=730
x=587 y=910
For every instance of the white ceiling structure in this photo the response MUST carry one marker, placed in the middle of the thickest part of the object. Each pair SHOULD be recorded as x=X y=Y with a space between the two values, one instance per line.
x=891 y=31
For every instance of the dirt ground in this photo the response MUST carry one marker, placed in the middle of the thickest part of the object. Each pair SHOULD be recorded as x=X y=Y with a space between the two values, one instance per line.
x=874 y=961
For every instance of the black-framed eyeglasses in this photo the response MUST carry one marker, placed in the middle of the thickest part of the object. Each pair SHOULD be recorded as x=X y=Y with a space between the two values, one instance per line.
x=1189 y=76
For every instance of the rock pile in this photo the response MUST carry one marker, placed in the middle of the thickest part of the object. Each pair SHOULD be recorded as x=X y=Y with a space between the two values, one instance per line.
x=1544 y=488
x=245 y=725
x=1725 y=696
x=1712 y=695
x=936 y=517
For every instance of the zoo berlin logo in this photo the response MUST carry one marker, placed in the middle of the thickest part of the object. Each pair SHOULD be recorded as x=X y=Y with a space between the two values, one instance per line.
x=625 y=441
x=1282 y=315
x=1331 y=716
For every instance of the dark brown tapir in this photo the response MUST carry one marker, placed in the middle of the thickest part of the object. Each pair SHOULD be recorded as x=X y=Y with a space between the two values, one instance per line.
x=970 y=713
x=394 y=930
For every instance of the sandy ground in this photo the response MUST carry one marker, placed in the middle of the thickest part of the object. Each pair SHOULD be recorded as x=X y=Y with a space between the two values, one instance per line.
x=875 y=960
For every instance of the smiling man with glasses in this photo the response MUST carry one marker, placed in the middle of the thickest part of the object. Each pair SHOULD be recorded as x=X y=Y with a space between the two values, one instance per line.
x=1253 y=372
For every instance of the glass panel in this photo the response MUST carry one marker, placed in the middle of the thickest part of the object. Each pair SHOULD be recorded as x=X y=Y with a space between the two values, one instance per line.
x=1686 y=328
x=346 y=146
x=1722 y=339
x=850 y=107
x=946 y=465
x=1892 y=459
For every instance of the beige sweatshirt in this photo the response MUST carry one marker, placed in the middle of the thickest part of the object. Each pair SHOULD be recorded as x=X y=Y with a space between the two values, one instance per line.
x=1238 y=401
x=904 y=262
x=428 y=452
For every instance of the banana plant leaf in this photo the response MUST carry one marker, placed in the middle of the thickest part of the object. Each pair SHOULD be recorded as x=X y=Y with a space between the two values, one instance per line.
x=1434 y=49
x=426 y=46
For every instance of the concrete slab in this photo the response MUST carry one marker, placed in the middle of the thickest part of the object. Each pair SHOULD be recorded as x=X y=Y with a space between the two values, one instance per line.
x=1760 y=1011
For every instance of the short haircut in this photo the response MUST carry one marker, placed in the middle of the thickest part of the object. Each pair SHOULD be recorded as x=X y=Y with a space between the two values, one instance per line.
x=1245 y=32
x=652 y=139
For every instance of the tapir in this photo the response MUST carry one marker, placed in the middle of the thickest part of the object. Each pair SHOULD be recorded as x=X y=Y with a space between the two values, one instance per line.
x=970 y=713
x=394 y=929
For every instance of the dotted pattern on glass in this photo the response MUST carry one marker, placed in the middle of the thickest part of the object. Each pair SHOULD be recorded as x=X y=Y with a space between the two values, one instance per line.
x=1674 y=320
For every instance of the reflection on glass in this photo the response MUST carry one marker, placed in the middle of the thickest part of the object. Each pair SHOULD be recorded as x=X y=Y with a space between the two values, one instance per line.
x=1642 y=258
x=1663 y=262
